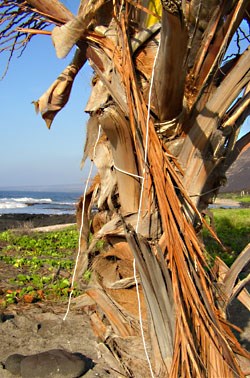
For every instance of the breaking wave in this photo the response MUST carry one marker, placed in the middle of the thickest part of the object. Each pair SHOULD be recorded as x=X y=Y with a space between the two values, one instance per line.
x=17 y=203
x=38 y=202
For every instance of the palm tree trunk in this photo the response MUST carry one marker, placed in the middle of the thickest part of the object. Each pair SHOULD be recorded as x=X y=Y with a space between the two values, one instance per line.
x=169 y=121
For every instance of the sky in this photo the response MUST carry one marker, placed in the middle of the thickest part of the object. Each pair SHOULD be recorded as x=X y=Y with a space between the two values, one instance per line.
x=30 y=154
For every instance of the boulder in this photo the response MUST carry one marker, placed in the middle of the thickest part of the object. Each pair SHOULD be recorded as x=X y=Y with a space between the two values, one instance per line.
x=52 y=363
x=13 y=363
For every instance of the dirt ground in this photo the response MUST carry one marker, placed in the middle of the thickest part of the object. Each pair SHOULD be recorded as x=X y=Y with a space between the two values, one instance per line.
x=40 y=327
x=36 y=328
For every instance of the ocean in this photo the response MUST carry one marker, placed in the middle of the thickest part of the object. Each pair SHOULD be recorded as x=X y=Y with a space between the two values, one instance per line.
x=38 y=202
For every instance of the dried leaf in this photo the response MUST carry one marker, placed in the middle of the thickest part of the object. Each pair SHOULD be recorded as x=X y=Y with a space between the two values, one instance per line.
x=57 y=96
x=66 y=36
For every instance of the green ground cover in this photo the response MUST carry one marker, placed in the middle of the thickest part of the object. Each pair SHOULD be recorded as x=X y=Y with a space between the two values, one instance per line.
x=245 y=199
x=36 y=266
x=39 y=266
x=236 y=197
x=233 y=229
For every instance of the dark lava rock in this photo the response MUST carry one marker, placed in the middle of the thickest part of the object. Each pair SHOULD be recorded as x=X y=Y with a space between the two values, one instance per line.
x=52 y=363
x=5 y=317
x=13 y=363
x=10 y=221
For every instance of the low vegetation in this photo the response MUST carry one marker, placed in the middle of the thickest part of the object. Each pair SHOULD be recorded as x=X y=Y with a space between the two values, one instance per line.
x=38 y=266
x=244 y=198
x=233 y=229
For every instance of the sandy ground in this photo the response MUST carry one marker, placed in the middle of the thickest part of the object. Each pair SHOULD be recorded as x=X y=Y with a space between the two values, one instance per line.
x=226 y=202
x=39 y=327
x=52 y=228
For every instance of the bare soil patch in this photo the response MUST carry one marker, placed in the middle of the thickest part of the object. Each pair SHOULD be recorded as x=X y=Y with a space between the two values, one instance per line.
x=35 y=328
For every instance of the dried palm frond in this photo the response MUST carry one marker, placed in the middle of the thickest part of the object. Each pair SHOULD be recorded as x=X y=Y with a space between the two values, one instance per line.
x=155 y=87
x=57 y=96
x=17 y=16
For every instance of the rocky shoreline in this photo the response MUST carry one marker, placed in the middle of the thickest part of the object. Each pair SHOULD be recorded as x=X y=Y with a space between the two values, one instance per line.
x=28 y=221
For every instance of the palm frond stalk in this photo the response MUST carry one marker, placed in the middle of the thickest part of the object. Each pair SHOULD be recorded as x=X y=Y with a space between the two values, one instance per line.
x=170 y=105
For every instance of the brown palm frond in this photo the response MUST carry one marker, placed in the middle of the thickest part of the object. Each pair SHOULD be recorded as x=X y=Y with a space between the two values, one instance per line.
x=186 y=258
x=57 y=96
x=18 y=17
x=167 y=154
x=215 y=43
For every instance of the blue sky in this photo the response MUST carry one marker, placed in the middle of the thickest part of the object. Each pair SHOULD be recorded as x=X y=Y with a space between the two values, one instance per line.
x=32 y=155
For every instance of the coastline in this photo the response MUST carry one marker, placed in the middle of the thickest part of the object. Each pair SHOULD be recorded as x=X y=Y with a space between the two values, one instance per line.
x=47 y=222
x=226 y=202
x=29 y=221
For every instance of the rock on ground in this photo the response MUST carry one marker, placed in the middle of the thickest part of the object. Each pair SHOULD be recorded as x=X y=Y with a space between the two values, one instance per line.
x=37 y=328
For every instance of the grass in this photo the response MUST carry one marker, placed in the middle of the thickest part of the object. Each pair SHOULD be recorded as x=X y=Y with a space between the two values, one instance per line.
x=233 y=228
x=235 y=196
x=245 y=199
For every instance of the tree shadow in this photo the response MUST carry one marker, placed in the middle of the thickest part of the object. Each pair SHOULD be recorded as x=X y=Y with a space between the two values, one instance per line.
x=239 y=315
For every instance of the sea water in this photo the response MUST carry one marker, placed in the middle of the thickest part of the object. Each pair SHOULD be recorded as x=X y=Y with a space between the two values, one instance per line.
x=38 y=202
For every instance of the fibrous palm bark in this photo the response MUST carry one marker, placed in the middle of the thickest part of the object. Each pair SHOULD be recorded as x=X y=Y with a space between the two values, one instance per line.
x=170 y=113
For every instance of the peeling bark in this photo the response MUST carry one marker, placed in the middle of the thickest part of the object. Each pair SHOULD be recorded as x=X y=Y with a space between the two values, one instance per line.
x=54 y=9
x=117 y=130
x=170 y=64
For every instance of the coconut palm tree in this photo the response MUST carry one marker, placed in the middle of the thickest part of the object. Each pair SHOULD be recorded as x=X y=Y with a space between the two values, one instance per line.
x=169 y=95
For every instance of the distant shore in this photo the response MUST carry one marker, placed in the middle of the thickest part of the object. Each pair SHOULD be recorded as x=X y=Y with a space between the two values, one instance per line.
x=13 y=221
x=29 y=221
x=228 y=203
